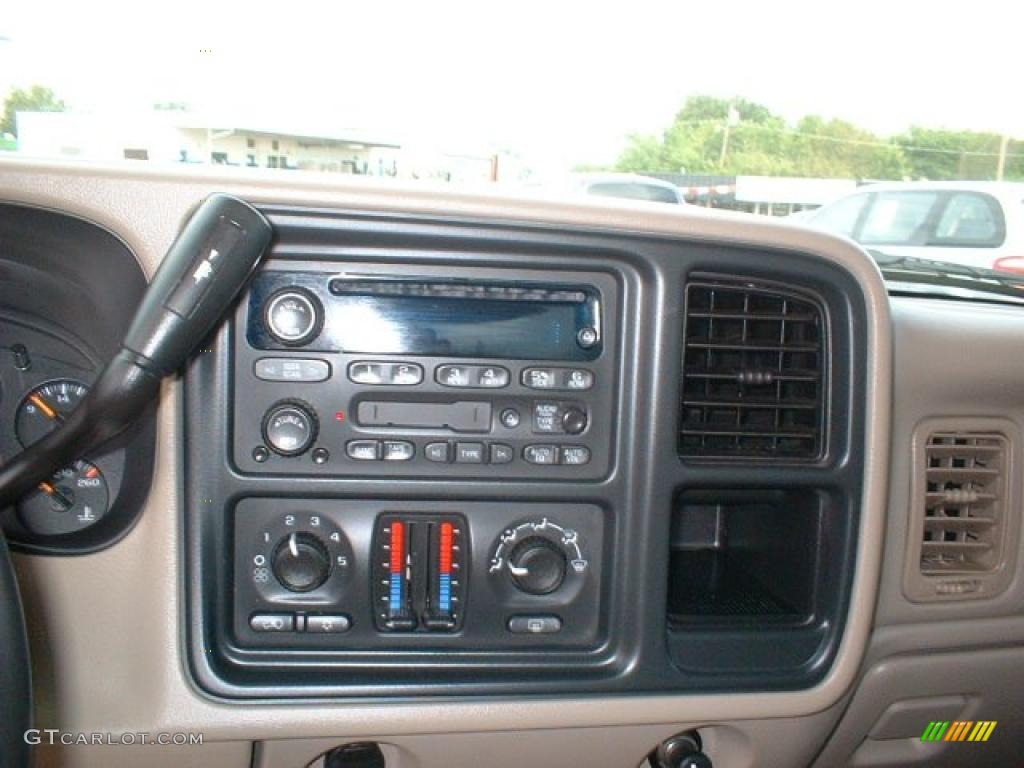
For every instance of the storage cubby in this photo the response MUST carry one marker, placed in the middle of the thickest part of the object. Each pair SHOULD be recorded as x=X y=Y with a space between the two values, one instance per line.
x=744 y=557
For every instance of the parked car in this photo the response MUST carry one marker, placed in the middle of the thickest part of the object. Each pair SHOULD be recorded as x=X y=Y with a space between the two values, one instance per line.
x=630 y=186
x=977 y=224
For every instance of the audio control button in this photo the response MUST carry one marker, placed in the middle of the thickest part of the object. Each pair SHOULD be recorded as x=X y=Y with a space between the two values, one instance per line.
x=366 y=372
x=398 y=450
x=291 y=369
x=501 y=454
x=363 y=450
x=534 y=625
x=575 y=455
x=510 y=418
x=541 y=454
x=469 y=453
x=540 y=378
x=438 y=452
x=453 y=375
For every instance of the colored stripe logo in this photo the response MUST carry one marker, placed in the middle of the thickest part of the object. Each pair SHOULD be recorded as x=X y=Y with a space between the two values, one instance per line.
x=959 y=730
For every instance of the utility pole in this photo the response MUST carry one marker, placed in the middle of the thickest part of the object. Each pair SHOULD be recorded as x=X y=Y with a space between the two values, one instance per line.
x=731 y=119
x=1001 y=164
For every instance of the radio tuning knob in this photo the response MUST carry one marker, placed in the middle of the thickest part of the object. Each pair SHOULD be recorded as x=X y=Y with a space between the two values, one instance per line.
x=301 y=562
x=537 y=566
x=290 y=427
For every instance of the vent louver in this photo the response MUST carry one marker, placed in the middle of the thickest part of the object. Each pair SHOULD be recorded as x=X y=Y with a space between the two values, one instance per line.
x=964 y=503
x=753 y=373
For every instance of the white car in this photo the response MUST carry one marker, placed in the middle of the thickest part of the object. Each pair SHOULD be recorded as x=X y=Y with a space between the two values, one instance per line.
x=630 y=186
x=974 y=223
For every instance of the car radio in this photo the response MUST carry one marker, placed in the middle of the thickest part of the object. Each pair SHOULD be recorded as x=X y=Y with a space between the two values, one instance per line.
x=380 y=373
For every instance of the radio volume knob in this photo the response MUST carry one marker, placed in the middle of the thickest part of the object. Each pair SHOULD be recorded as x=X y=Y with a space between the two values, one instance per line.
x=293 y=316
x=290 y=427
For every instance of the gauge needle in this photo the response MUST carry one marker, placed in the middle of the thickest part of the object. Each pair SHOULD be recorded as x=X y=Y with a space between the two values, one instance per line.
x=54 y=493
x=48 y=410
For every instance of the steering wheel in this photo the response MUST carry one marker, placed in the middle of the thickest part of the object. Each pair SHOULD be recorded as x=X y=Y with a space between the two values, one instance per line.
x=15 y=674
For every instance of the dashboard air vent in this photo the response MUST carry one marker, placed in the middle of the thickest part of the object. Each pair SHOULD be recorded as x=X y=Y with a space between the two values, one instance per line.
x=961 y=509
x=753 y=373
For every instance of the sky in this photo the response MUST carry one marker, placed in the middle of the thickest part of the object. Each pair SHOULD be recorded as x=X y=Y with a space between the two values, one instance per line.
x=560 y=82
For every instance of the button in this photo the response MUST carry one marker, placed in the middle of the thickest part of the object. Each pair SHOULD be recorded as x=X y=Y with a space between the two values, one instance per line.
x=577 y=378
x=575 y=454
x=260 y=454
x=405 y=374
x=293 y=316
x=547 y=417
x=325 y=625
x=492 y=377
x=574 y=420
x=469 y=453
x=534 y=625
x=321 y=456
x=510 y=418
x=587 y=337
x=366 y=372
x=437 y=452
x=453 y=375
x=272 y=622
x=540 y=378
x=501 y=454
x=363 y=450
x=398 y=450
x=541 y=454
x=290 y=369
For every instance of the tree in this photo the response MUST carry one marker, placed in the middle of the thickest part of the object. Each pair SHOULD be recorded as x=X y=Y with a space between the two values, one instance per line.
x=35 y=99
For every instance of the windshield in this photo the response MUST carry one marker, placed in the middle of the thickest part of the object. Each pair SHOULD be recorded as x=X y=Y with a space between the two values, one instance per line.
x=773 y=109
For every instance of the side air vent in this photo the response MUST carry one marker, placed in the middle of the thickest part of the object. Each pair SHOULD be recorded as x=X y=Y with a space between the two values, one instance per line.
x=961 y=510
x=753 y=373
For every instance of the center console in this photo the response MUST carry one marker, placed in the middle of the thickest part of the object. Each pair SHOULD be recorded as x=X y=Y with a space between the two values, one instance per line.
x=462 y=457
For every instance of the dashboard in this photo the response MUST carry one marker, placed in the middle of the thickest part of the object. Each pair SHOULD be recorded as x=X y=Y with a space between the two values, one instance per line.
x=553 y=481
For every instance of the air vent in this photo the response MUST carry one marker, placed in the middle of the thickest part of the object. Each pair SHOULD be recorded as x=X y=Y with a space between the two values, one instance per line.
x=753 y=373
x=961 y=505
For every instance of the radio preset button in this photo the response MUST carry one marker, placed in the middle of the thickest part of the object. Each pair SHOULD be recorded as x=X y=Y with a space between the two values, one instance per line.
x=438 y=452
x=469 y=453
x=575 y=455
x=578 y=379
x=540 y=378
x=291 y=369
x=453 y=375
x=405 y=374
x=491 y=377
x=363 y=450
x=398 y=450
x=293 y=316
x=541 y=454
x=501 y=453
x=366 y=372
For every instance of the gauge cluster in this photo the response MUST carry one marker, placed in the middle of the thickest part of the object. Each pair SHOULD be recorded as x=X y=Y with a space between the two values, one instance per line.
x=68 y=293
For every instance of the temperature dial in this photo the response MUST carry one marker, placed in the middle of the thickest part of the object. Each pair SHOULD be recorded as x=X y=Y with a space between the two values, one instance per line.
x=74 y=498
x=301 y=562
x=537 y=566
x=541 y=557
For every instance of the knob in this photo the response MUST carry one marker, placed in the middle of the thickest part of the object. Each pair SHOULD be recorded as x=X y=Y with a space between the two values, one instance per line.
x=301 y=562
x=294 y=316
x=574 y=420
x=290 y=427
x=681 y=751
x=537 y=566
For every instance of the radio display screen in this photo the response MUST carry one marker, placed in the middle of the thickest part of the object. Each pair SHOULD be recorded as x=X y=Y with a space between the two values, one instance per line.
x=458 y=320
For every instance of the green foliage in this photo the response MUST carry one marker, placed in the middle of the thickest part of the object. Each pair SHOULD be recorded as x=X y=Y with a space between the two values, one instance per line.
x=763 y=143
x=35 y=99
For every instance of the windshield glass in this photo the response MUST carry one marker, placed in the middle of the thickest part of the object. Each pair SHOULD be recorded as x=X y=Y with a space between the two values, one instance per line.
x=791 y=108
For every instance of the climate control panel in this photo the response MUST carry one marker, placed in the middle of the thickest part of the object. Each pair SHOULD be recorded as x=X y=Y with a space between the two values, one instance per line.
x=363 y=575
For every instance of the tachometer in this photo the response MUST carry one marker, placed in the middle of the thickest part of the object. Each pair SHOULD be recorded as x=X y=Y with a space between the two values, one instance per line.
x=46 y=407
